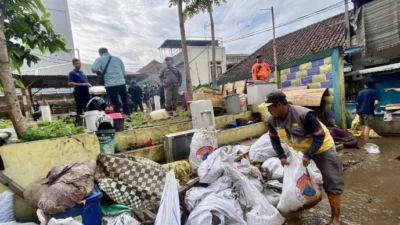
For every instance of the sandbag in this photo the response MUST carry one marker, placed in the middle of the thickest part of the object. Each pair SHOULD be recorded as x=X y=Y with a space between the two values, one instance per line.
x=169 y=211
x=274 y=167
x=122 y=219
x=7 y=207
x=68 y=185
x=195 y=195
x=68 y=221
x=34 y=191
x=221 y=184
x=262 y=149
x=215 y=205
x=212 y=168
x=301 y=186
x=260 y=211
x=253 y=174
x=272 y=196
x=16 y=223
x=203 y=144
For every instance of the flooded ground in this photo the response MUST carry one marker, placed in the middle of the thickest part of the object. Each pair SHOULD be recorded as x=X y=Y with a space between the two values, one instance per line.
x=371 y=191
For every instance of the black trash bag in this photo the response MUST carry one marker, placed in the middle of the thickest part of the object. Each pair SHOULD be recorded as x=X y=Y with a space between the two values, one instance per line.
x=96 y=103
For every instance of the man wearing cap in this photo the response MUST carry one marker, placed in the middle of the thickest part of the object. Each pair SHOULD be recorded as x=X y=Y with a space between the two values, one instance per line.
x=300 y=128
x=260 y=70
x=171 y=80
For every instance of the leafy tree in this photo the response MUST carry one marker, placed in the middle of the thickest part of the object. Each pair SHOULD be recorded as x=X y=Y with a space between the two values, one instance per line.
x=21 y=30
x=186 y=65
x=194 y=7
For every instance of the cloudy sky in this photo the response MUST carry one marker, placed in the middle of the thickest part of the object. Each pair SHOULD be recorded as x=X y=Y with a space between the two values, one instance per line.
x=134 y=29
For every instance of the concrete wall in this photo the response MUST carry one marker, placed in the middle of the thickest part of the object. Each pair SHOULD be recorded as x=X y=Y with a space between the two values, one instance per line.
x=200 y=59
x=27 y=162
x=135 y=138
x=62 y=25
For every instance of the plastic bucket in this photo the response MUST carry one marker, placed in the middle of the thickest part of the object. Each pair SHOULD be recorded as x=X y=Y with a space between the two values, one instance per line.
x=91 y=117
x=88 y=211
x=232 y=104
x=119 y=124
x=106 y=141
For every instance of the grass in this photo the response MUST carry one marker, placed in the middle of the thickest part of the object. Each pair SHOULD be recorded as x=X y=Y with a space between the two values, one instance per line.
x=144 y=120
x=47 y=130
x=5 y=123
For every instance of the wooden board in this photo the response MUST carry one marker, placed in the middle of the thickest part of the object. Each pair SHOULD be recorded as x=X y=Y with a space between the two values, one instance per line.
x=295 y=88
x=240 y=87
x=306 y=97
x=392 y=107
x=227 y=87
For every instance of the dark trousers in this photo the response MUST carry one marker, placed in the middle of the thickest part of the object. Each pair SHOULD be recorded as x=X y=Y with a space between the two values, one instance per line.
x=171 y=98
x=115 y=93
x=81 y=101
x=137 y=103
x=36 y=116
x=162 y=97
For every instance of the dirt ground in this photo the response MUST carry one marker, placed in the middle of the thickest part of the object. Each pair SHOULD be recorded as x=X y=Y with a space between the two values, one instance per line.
x=371 y=191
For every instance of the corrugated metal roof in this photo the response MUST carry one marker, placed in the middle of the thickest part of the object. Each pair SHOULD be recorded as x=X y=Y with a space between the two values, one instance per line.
x=60 y=69
x=379 y=26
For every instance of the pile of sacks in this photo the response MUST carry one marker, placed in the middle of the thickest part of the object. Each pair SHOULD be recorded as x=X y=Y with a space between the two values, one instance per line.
x=238 y=193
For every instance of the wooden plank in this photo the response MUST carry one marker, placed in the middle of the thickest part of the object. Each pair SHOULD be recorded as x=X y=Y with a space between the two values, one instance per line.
x=10 y=184
x=295 y=88
x=392 y=107
x=228 y=88
x=240 y=87
x=305 y=97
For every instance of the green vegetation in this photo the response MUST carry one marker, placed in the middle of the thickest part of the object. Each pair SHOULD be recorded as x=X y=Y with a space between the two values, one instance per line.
x=46 y=130
x=5 y=123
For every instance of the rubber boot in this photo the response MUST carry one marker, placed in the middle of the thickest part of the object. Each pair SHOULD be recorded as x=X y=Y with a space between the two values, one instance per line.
x=335 y=201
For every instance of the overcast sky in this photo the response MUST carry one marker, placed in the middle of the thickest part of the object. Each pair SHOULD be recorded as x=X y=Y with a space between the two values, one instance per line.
x=134 y=29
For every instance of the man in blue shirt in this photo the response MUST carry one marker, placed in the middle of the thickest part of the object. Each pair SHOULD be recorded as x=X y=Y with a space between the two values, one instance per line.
x=114 y=80
x=78 y=80
x=367 y=101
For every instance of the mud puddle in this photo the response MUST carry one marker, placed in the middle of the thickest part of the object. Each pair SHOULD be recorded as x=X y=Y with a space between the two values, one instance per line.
x=371 y=191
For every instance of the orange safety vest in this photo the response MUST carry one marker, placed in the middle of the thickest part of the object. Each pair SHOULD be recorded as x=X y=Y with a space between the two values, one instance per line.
x=261 y=71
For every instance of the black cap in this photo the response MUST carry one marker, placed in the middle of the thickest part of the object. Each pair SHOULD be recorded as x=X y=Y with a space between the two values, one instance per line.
x=168 y=58
x=258 y=56
x=275 y=97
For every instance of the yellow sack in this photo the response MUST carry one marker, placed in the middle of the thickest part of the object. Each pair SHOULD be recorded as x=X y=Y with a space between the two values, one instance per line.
x=182 y=170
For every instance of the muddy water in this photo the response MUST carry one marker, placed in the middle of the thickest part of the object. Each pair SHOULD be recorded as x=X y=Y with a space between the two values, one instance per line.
x=371 y=191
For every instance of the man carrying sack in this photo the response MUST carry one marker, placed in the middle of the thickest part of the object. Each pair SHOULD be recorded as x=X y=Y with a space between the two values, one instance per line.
x=300 y=128
x=171 y=80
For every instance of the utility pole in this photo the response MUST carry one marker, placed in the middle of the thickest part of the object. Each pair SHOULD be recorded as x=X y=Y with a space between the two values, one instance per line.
x=276 y=72
x=346 y=18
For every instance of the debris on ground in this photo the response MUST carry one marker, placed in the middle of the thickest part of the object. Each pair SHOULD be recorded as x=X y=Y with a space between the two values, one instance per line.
x=351 y=163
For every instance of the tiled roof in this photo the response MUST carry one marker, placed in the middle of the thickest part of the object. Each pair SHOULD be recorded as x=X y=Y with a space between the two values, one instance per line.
x=326 y=34
x=154 y=67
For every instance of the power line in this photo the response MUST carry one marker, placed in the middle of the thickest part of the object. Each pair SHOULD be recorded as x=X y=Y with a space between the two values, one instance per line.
x=334 y=6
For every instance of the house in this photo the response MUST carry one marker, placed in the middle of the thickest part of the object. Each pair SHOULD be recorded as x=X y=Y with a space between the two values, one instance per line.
x=200 y=59
x=233 y=59
x=154 y=67
x=375 y=55
x=311 y=56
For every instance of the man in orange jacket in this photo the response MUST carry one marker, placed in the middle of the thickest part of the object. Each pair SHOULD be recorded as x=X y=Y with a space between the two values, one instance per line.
x=260 y=70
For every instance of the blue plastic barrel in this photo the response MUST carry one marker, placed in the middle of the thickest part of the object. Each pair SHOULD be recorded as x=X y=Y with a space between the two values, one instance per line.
x=88 y=211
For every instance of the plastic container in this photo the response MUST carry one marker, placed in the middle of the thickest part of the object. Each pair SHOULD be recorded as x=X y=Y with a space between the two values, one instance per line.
x=119 y=124
x=91 y=117
x=106 y=141
x=159 y=115
x=258 y=91
x=243 y=102
x=157 y=103
x=116 y=116
x=202 y=113
x=88 y=211
x=232 y=104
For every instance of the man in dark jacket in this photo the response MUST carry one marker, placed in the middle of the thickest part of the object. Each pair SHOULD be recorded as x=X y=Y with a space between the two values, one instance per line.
x=136 y=95
x=171 y=80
